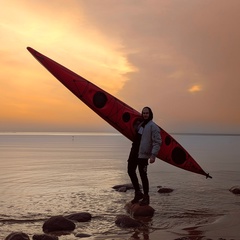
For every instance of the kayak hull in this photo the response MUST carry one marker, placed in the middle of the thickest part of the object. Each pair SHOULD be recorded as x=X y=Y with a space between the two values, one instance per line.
x=117 y=113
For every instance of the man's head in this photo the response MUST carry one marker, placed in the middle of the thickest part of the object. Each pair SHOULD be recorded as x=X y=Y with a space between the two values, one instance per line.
x=147 y=114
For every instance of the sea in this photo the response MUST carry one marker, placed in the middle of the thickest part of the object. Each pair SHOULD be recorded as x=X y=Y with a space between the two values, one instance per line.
x=44 y=174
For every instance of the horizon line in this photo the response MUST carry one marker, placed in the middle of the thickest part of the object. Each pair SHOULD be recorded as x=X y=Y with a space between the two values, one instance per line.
x=110 y=133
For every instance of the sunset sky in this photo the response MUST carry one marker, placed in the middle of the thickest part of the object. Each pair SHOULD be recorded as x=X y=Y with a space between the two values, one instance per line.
x=180 y=57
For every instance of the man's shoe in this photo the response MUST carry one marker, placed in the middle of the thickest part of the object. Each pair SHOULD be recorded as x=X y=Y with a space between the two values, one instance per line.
x=145 y=201
x=138 y=196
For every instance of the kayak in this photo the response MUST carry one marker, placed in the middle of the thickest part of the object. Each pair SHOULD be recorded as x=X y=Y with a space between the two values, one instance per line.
x=117 y=113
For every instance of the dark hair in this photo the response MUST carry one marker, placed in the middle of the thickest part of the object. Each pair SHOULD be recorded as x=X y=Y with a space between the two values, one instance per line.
x=150 y=113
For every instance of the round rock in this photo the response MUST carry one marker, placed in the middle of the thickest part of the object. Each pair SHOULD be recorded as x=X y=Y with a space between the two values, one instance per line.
x=80 y=217
x=58 y=224
x=17 y=236
x=139 y=211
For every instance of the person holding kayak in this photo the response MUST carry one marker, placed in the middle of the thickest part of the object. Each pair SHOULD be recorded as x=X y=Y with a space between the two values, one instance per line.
x=145 y=146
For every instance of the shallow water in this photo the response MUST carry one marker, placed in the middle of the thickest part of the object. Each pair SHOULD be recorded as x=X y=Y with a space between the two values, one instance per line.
x=47 y=174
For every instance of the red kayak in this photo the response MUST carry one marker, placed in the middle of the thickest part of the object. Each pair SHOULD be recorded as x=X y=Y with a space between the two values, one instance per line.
x=117 y=113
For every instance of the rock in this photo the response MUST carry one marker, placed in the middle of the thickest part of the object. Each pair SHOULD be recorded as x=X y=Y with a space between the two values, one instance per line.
x=139 y=211
x=82 y=235
x=122 y=189
x=80 y=217
x=58 y=224
x=165 y=190
x=235 y=190
x=17 y=236
x=44 y=237
x=125 y=221
x=125 y=187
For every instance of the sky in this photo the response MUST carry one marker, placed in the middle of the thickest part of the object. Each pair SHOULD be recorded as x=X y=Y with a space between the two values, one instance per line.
x=179 y=57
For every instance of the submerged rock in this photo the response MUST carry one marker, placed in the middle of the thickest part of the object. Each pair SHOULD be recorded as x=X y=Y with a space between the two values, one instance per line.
x=125 y=221
x=235 y=190
x=80 y=217
x=82 y=235
x=58 y=224
x=44 y=237
x=124 y=187
x=165 y=190
x=17 y=236
x=139 y=211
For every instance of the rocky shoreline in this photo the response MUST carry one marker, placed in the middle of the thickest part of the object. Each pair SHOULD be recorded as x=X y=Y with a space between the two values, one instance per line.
x=62 y=225
x=59 y=225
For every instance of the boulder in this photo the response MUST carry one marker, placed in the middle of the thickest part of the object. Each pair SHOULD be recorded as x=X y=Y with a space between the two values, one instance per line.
x=58 y=224
x=44 y=237
x=136 y=210
x=165 y=190
x=80 y=217
x=235 y=190
x=17 y=236
x=125 y=221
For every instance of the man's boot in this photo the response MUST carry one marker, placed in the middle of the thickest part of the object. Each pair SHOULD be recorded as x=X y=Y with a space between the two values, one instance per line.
x=145 y=200
x=138 y=196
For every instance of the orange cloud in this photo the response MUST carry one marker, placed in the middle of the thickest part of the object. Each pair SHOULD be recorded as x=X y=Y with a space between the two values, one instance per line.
x=195 y=88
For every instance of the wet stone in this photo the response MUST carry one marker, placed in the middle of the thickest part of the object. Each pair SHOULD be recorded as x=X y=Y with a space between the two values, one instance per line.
x=165 y=190
x=44 y=237
x=124 y=187
x=58 y=224
x=82 y=235
x=235 y=190
x=17 y=236
x=80 y=217
x=136 y=210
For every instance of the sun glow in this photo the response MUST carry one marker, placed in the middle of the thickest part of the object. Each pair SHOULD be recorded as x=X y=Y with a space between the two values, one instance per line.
x=67 y=37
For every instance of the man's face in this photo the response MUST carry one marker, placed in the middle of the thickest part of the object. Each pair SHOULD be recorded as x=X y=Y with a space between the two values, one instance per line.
x=145 y=113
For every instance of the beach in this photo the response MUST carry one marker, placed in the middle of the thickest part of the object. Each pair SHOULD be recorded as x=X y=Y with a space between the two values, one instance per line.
x=49 y=174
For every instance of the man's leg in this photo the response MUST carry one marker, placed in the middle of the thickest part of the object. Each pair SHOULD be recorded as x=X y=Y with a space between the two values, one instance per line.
x=142 y=167
x=132 y=166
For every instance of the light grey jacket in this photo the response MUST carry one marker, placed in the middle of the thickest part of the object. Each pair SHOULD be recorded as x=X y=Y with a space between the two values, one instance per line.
x=151 y=141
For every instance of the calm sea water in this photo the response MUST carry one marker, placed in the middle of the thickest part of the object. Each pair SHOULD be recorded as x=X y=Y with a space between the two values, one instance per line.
x=47 y=174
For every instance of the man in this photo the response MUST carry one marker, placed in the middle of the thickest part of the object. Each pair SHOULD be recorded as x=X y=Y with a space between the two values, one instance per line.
x=145 y=146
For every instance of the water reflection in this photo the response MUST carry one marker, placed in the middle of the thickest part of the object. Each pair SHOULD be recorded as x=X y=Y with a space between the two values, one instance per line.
x=144 y=234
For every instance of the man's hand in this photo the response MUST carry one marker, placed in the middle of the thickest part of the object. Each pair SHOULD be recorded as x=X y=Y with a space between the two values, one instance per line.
x=152 y=159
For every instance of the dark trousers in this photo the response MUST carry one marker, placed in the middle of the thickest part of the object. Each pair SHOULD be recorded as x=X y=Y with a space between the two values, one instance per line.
x=133 y=163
